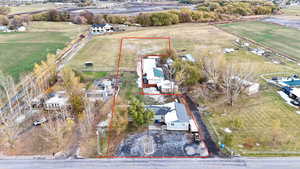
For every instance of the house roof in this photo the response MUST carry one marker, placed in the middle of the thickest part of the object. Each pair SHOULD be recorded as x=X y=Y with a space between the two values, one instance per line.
x=296 y=91
x=158 y=72
x=189 y=57
x=173 y=111
x=158 y=110
x=181 y=112
x=99 y=25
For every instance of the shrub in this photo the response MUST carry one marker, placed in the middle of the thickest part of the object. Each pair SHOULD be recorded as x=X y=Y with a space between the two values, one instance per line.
x=4 y=20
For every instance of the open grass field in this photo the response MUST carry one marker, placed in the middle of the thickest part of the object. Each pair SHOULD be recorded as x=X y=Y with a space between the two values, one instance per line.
x=19 y=51
x=196 y=39
x=32 y=7
x=283 y=39
x=295 y=10
x=258 y=114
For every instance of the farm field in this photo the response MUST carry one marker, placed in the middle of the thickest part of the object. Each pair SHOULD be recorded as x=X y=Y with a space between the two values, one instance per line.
x=21 y=50
x=282 y=39
x=196 y=39
x=32 y=7
x=295 y=10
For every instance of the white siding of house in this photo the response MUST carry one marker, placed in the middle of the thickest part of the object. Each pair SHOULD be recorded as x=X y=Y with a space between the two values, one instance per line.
x=178 y=126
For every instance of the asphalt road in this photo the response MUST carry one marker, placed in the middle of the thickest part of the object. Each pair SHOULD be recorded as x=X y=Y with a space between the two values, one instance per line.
x=211 y=163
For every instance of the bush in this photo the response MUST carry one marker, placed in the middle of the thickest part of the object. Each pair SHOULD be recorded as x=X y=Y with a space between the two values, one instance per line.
x=228 y=138
x=40 y=17
x=116 y=19
x=163 y=19
x=144 y=19
x=4 y=20
x=88 y=16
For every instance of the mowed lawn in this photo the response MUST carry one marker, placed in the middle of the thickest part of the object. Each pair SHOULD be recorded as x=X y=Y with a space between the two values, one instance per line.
x=196 y=39
x=258 y=113
x=280 y=38
x=19 y=51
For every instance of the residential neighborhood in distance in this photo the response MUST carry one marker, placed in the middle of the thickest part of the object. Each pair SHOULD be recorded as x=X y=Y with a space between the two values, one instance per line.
x=150 y=84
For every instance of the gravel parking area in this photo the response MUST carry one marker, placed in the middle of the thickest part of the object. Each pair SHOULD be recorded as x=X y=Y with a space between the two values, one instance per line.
x=164 y=143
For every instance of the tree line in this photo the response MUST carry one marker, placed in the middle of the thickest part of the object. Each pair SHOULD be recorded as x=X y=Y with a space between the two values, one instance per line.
x=240 y=8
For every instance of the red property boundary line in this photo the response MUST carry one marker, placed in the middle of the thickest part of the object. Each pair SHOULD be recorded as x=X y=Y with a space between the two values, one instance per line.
x=117 y=78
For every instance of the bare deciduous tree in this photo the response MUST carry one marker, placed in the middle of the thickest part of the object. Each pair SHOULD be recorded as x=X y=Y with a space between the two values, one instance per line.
x=57 y=130
x=6 y=84
x=235 y=78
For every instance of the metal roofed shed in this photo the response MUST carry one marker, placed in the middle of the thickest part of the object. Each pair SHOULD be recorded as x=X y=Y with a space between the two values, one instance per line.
x=188 y=57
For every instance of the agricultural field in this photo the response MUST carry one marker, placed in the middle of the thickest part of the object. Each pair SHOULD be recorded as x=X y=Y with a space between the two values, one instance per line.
x=283 y=39
x=21 y=50
x=295 y=10
x=32 y=7
x=196 y=39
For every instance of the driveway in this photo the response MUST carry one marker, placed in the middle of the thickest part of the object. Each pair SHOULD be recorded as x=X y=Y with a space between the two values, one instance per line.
x=161 y=144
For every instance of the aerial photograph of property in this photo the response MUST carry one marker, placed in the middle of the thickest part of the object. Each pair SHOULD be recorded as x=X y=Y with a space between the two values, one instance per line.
x=150 y=84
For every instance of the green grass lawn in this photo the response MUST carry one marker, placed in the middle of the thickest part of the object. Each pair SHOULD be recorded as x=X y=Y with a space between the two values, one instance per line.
x=283 y=39
x=258 y=113
x=94 y=75
x=20 y=51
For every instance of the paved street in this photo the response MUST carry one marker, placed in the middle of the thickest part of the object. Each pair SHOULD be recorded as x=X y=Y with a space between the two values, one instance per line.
x=212 y=163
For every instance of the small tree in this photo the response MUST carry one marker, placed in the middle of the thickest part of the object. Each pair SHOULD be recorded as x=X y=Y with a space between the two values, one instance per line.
x=138 y=113
x=187 y=73
x=16 y=22
x=4 y=20
x=74 y=90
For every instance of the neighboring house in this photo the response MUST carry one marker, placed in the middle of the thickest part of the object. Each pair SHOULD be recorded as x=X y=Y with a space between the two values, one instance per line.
x=188 y=57
x=57 y=101
x=101 y=28
x=38 y=101
x=250 y=87
x=104 y=90
x=228 y=50
x=174 y=115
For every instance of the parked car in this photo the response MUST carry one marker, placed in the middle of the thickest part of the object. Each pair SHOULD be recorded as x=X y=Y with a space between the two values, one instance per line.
x=295 y=102
x=39 y=122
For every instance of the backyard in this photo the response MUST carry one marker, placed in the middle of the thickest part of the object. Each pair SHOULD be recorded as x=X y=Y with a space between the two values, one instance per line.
x=195 y=39
x=21 y=50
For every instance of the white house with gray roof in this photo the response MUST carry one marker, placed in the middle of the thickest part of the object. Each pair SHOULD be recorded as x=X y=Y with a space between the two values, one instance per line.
x=174 y=115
